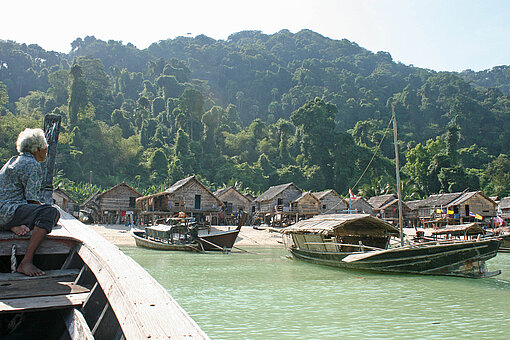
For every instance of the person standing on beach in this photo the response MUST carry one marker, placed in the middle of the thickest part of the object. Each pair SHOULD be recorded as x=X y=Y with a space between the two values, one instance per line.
x=20 y=207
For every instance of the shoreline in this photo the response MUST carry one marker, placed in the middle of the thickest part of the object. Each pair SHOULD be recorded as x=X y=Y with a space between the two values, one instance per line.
x=118 y=234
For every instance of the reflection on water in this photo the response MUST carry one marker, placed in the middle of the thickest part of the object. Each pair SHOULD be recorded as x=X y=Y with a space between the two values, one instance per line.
x=265 y=295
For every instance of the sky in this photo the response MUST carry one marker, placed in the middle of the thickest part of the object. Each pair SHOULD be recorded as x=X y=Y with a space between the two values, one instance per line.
x=442 y=35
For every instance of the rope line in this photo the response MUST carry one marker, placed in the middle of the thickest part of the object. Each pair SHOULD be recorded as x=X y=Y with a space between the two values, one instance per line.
x=378 y=147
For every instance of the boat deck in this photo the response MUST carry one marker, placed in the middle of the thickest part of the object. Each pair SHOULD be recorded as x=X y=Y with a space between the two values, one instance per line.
x=57 y=289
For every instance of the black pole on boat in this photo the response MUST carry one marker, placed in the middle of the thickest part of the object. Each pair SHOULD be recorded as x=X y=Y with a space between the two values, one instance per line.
x=51 y=132
x=397 y=168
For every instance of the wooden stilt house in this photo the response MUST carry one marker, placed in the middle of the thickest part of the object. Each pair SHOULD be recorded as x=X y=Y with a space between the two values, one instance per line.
x=187 y=195
x=276 y=200
x=234 y=204
x=455 y=208
x=65 y=202
x=115 y=205
x=386 y=207
x=331 y=202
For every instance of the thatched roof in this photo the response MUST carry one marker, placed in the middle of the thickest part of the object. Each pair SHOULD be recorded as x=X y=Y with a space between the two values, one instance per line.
x=124 y=184
x=59 y=191
x=307 y=194
x=438 y=200
x=273 y=191
x=321 y=194
x=467 y=195
x=326 y=224
x=378 y=201
x=505 y=203
x=220 y=192
x=414 y=205
x=459 y=230
x=179 y=185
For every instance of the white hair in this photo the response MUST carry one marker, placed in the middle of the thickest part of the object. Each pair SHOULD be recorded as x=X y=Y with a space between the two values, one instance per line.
x=29 y=140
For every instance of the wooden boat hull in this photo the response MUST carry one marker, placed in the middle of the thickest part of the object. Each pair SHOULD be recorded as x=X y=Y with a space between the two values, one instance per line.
x=219 y=241
x=91 y=290
x=144 y=242
x=465 y=259
x=222 y=241
x=505 y=244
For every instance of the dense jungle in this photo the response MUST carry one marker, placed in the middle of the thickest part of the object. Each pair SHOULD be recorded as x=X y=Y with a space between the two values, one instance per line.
x=257 y=110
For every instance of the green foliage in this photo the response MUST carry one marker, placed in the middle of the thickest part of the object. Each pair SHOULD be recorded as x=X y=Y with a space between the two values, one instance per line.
x=259 y=110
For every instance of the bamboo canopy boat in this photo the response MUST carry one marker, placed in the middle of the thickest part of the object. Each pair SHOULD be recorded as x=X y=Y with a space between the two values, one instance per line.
x=361 y=241
x=91 y=290
x=182 y=234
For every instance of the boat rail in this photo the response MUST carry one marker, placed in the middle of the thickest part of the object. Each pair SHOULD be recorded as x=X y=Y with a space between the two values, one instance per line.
x=361 y=246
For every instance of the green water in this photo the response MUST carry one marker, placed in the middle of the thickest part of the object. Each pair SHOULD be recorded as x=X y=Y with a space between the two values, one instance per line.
x=269 y=296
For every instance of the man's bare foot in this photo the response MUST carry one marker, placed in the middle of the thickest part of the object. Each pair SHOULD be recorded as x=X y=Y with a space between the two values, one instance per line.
x=29 y=269
x=20 y=230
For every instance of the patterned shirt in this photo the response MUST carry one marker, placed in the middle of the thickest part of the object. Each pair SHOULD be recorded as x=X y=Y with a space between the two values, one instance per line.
x=20 y=181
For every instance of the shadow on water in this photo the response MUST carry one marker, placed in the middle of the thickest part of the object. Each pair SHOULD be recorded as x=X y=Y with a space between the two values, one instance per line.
x=268 y=296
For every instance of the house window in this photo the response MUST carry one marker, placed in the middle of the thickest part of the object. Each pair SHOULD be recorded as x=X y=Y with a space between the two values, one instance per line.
x=132 y=201
x=323 y=207
x=280 y=201
x=467 y=209
x=253 y=209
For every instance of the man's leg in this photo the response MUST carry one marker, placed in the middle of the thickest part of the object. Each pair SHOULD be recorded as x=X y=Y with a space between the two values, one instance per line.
x=27 y=265
x=41 y=219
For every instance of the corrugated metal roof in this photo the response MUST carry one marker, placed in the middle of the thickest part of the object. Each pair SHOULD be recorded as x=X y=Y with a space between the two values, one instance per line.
x=323 y=224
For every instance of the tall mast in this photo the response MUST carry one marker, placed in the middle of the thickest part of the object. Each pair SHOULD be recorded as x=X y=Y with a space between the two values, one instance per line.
x=397 y=168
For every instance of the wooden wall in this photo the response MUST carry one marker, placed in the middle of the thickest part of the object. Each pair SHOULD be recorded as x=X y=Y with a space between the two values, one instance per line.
x=238 y=201
x=288 y=195
x=334 y=204
x=117 y=199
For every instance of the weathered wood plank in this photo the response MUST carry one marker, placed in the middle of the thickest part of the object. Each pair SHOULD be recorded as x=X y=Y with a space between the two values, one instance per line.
x=77 y=326
x=142 y=306
x=44 y=286
x=48 y=246
x=5 y=277
x=42 y=302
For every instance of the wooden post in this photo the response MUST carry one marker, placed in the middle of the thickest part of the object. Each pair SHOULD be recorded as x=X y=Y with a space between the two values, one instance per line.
x=51 y=131
x=397 y=168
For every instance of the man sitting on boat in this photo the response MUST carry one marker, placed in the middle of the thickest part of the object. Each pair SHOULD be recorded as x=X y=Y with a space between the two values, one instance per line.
x=20 y=208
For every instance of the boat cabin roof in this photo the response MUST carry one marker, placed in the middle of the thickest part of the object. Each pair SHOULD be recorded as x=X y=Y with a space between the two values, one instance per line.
x=335 y=223
x=460 y=229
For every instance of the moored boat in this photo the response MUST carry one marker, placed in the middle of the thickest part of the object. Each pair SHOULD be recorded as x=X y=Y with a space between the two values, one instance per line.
x=359 y=241
x=181 y=234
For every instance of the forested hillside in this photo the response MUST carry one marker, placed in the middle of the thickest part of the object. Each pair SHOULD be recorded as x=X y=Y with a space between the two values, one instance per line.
x=257 y=110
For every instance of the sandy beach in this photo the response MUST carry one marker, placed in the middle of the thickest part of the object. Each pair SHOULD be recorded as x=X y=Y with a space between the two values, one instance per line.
x=118 y=234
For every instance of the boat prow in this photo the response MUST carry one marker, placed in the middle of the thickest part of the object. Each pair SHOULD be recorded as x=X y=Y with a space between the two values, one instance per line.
x=91 y=290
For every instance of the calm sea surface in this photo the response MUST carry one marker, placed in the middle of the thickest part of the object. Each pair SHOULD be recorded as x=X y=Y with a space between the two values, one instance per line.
x=265 y=295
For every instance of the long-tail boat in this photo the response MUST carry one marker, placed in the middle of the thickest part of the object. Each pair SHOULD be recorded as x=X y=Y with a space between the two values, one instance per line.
x=361 y=241
x=181 y=234
x=91 y=290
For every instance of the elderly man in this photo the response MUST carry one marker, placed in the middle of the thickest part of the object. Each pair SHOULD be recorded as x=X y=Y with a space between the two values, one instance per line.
x=20 y=209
